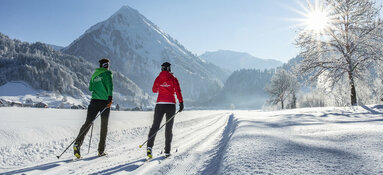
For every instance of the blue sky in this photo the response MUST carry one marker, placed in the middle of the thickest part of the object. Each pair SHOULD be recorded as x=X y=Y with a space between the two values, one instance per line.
x=262 y=28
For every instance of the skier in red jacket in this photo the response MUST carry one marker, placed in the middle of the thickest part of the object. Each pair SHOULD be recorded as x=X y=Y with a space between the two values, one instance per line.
x=165 y=85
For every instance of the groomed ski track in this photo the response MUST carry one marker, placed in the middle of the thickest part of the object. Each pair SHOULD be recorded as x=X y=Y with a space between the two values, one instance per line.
x=194 y=149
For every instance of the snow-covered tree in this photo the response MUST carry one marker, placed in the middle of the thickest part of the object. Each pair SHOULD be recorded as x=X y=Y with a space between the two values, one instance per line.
x=369 y=92
x=283 y=85
x=313 y=99
x=346 y=40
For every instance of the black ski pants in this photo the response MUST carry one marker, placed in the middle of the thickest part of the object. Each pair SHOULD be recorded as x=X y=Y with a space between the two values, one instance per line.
x=160 y=110
x=94 y=107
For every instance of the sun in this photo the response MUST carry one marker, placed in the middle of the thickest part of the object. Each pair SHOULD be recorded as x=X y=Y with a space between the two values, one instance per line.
x=317 y=20
x=316 y=16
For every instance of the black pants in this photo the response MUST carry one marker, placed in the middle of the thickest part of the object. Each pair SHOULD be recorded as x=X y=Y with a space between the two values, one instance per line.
x=160 y=110
x=94 y=107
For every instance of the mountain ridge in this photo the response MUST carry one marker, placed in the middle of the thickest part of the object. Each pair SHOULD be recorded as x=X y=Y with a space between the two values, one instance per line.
x=238 y=60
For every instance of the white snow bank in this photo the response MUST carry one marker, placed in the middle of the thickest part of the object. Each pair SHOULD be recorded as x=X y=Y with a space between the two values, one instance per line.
x=16 y=88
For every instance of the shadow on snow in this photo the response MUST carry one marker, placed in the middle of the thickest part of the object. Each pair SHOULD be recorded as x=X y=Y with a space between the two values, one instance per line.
x=47 y=166
x=128 y=167
x=215 y=163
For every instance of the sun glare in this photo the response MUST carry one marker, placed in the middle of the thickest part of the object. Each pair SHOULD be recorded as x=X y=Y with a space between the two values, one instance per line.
x=317 y=20
x=316 y=16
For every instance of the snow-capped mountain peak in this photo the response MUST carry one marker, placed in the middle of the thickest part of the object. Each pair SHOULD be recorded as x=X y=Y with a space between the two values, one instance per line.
x=137 y=47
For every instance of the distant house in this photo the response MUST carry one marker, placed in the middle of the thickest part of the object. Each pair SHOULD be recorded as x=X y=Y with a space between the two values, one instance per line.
x=41 y=105
x=77 y=107
x=28 y=103
x=136 y=109
x=3 y=102
x=74 y=107
x=16 y=104
x=81 y=107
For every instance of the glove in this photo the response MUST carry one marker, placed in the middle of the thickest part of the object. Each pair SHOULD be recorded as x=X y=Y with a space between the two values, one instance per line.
x=181 y=107
x=109 y=102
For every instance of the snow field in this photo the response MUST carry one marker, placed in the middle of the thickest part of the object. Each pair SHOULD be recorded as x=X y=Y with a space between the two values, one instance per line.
x=127 y=130
x=300 y=141
x=307 y=141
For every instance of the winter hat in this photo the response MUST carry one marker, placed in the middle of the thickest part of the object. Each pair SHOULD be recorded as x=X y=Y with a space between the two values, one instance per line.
x=165 y=67
x=104 y=62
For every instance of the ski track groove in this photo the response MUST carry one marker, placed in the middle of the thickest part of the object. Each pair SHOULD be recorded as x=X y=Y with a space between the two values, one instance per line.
x=215 y=163
x=178 y=166
x=46 y=149
x=198 y=130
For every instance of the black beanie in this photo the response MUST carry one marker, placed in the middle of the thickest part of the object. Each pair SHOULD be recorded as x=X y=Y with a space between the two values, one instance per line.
x=166 y=67
x=104 y=62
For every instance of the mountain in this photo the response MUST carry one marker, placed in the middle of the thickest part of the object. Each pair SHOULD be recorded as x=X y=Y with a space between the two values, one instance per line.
x=232 y=61
x=43 y=68
x=244 y=89
x=137 y=48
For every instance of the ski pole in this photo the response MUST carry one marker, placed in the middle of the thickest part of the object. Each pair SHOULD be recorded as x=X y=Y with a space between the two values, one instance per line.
x=158 y=129
x=58 y=157
x=90 y=139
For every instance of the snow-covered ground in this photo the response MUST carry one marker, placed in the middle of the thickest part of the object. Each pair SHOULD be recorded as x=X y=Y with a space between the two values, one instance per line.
x=300 y=141
x=21 y=92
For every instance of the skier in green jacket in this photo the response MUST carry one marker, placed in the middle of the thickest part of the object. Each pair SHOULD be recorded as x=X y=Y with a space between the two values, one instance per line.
x=101 y=86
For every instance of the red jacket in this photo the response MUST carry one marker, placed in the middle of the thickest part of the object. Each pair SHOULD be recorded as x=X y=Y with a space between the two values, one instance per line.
x=166 y=85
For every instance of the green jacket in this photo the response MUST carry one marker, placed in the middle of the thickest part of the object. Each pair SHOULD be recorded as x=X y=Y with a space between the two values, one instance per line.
x=101 y=84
